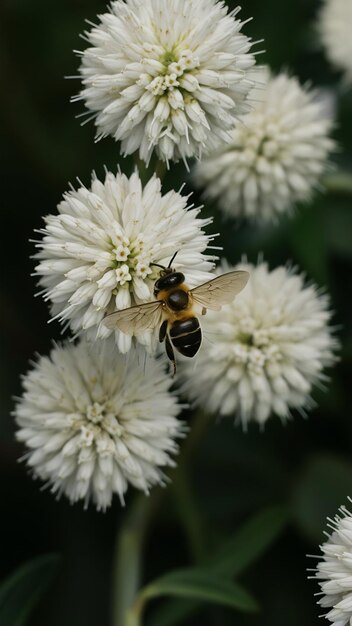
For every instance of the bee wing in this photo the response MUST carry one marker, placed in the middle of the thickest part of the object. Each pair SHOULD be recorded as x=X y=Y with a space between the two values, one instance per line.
x=220 y=290
x=135 y=319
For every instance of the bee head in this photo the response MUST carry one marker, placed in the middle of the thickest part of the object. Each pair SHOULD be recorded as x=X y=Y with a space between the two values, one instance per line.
x=166 y=270
x=168 y=277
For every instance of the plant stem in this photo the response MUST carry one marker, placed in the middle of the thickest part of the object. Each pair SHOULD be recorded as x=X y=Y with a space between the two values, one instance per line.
x=182 y=488
x=160 y=169
x=127 y=560
x=134 y=615
x=189 y=513
x=198 y=428
x=142 y=169
x=341 y=182
x=127 y=603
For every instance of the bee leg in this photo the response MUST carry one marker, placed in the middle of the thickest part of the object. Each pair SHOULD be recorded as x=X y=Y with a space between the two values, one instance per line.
x=170 y=353
x=204 y=311
x=162 y=331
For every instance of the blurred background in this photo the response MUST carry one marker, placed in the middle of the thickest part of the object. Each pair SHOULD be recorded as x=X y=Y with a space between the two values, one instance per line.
x=305 y=465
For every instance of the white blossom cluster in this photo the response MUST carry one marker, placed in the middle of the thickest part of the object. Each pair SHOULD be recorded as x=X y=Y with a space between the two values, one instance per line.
x=263 y=353
x=169 y=75
x=277 y=153
x=95 y=421
x=96 y=254
x=334 y=26
x=334 y=571
x=175 y=78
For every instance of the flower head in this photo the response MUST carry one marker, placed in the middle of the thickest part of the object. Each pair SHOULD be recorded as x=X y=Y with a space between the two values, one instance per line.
x=97 y=252
x=334 y=25
x=276 y=154
x=95 y=421
x=334 y=572
x=263 y=353
x=170 y=75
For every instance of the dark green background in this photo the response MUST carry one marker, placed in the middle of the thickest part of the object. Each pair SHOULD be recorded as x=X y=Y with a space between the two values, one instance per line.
x=306 y=464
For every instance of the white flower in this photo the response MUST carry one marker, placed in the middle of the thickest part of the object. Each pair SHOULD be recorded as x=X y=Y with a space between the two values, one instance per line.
x=277 y=154
x=334 y=25
x=334 y=572
x=97 y=253
x=170 y=75
x=263 y=353
x=95 y=421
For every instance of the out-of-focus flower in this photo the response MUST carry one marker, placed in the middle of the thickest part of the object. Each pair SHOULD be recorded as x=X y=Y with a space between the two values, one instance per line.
x=169 y=75
x=334 y=25
x=263 y=353
x=95 y=421
x=96 y=255
x=277 y=154
x=334 y=572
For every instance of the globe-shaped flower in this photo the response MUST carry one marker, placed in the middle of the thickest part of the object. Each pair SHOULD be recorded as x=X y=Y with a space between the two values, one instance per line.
x=263 y=353
x=96 y=254
x=334 y=25
x=95 y=421
x=277 y=154
x=334 y=572
x=170 y=75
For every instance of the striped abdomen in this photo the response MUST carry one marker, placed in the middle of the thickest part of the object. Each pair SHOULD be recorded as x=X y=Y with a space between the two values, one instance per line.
x=186 y=336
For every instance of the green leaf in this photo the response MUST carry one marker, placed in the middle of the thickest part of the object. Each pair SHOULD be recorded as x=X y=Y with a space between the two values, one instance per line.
x=198 y=584
x=24 y=588
x=321 y=488
x=173 y=611
x=236 y=554
x=249 y=543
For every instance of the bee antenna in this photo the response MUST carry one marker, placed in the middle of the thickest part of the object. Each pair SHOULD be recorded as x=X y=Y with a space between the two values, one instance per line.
x=172 y=259
x=158 y=265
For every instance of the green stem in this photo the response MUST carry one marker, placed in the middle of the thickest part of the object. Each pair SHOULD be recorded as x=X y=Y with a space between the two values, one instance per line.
x=340 y=182
x=182 y=488
x=134 y=615
x=198 y=428
x=127 y=559
x=142 y=169
x=188 y=511
x=127 y=603
x=156 y=166
x=160 y=169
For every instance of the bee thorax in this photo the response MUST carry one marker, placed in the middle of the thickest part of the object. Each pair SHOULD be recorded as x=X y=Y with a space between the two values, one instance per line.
x=178 y=300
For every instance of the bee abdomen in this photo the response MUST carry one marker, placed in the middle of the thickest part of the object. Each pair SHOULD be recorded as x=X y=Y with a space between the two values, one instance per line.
x=186 y=336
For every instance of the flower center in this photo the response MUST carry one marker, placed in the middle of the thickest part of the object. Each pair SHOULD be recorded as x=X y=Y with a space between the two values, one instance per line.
x=97 y=429
x=129 y=259
x=176 y=66
x=253 y=347
x=262 y=139
x=168 y=57
x=95 y=412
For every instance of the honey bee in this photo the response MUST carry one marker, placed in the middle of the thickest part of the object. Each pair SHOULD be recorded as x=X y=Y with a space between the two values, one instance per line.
x=173 y=310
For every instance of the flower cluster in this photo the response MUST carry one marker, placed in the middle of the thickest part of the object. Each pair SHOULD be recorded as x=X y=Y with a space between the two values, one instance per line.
x=166 y=75
x=276 y=155
x=263 y=353
x=95 y=421
x=334 y=572
x=175 y=79
x=334 y=26
x=97 y=253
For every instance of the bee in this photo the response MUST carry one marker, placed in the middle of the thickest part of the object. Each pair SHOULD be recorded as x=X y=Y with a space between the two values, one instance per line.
x=172 y=311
